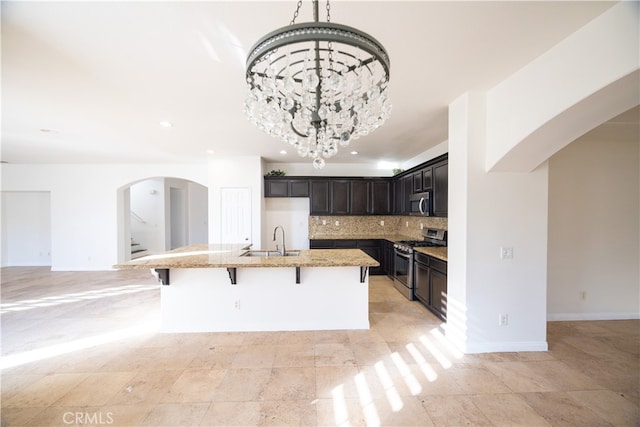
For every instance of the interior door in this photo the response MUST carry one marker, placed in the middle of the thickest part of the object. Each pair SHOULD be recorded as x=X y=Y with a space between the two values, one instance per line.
x=235 y=215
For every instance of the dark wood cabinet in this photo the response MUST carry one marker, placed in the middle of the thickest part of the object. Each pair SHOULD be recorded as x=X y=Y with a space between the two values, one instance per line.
x=285 y=187
x=319 y=197
x=359 y=201
x=427 y=179
x=440 y=199
x=350 y=196
x=339 y=196
x=372 y=247
x=430 y=283
x=417 y=182
x=380 y=197
x=387 y=257
x=421 y=277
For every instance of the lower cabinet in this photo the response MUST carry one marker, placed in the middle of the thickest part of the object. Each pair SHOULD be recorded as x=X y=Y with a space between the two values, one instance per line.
x=372 y=247
x=430 y=281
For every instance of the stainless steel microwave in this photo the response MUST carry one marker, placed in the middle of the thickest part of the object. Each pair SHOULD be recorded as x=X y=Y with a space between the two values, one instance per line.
x=420 y=204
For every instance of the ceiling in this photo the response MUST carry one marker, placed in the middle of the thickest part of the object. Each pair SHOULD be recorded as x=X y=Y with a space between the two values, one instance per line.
x=91 y=81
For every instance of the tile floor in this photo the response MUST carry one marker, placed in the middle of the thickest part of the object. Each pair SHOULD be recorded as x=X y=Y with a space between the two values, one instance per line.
x=80 y=349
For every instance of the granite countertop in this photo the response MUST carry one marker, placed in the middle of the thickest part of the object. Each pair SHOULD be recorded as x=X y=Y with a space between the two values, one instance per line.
x=229 y=256
x=390 y=237
x=436 y=252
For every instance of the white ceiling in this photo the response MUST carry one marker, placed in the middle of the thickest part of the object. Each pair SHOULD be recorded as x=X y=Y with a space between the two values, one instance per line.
x=90 y=82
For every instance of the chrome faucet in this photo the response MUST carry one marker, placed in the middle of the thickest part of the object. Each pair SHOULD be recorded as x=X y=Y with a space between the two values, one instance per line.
x=284 y=251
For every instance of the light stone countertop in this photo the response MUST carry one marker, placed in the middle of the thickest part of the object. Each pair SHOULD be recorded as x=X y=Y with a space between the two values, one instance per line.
x=229 y=256
x=436 y=252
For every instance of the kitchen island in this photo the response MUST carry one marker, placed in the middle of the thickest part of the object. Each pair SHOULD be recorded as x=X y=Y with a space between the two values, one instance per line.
x=213 y=288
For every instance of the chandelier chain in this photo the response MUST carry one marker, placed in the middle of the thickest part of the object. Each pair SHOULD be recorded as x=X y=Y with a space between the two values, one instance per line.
x=328 y=11
x=295 y=14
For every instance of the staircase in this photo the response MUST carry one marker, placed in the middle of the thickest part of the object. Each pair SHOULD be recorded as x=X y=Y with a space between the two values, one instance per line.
x=137 y=250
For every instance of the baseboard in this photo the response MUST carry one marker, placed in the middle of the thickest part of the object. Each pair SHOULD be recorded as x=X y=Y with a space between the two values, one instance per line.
x=505 y=347
x=553 y=317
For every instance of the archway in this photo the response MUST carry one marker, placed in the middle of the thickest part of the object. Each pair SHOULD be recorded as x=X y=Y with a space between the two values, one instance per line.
x=155 y=210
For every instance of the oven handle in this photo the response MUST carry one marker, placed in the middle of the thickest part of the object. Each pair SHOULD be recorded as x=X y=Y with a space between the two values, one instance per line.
x=402 y=254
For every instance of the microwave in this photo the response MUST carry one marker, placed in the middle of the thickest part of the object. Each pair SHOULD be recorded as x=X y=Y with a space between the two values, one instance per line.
x=420 y=204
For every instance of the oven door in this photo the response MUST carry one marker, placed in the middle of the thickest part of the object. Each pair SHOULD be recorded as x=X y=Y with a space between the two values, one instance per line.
x=403 y=273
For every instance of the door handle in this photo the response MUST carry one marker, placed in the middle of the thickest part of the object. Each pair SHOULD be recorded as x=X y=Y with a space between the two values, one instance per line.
x=420 y=205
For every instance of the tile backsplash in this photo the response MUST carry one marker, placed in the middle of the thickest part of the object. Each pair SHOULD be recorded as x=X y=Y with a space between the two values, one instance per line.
x=372 y=226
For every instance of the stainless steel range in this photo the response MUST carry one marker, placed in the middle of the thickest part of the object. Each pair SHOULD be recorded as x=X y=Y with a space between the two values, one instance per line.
x=403 y=258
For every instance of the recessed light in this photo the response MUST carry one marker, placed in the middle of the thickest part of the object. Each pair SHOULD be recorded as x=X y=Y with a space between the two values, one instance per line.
x=210 y=152
x=283 y=152
x=166 y=124
x=354 y=153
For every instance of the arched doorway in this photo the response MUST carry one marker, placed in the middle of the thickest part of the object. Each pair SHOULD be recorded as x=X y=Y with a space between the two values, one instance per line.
x=161 y=213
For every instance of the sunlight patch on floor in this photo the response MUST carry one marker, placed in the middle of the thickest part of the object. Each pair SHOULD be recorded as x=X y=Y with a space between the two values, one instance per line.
x=18 y=359
x=73 y=297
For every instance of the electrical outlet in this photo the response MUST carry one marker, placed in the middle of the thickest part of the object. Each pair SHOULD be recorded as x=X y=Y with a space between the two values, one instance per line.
x=506 y=252
x=503 y=319
x=324 y=222
x=421 y=226
x=382 y=223
x=407 y=224
x=236 y=304
x=337 y=223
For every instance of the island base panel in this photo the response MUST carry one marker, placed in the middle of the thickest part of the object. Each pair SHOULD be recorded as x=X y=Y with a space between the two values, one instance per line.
x=265 y=299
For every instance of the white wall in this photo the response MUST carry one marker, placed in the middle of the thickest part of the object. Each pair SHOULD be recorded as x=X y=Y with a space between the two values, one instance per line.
x=236 y=172
x=586 y=79
x=85 y=204
x=488 y=211
x=292 y=213
x=26 y=228
x=198 y=213
x=594 y=197
x=305 y=168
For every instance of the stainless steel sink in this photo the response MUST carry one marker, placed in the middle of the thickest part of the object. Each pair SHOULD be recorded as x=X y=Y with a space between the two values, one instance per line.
x=270 y=253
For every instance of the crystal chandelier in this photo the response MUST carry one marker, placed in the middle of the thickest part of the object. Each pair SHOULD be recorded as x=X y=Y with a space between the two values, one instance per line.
x=317 y=85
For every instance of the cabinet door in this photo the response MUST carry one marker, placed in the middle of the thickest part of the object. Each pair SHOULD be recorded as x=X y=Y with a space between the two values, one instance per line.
x=276 y=188
x=441 y=189
x=421 y=278
x=426 y=179
x=359 y=201
x=417 y=182
x=387 y=257
x=321 y=244
x=319 y=197
x=380 y=197
x=299 y=188
x=397 y=196
x=372 y=248
x=438 y=293
x=407 y=189
x=340 y=196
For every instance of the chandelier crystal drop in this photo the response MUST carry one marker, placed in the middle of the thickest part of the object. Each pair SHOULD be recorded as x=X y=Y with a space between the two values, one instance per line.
x=317 y=85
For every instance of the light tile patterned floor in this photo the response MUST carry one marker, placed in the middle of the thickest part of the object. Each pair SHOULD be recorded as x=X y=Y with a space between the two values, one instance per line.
x=80 y=348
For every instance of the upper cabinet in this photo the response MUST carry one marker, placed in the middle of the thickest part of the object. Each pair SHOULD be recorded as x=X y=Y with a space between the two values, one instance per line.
x=350 y=196
x=441 y=189
x=368 y=196
x=285 y=187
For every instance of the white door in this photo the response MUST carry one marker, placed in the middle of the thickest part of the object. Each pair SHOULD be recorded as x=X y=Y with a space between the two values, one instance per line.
x=235 y=215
